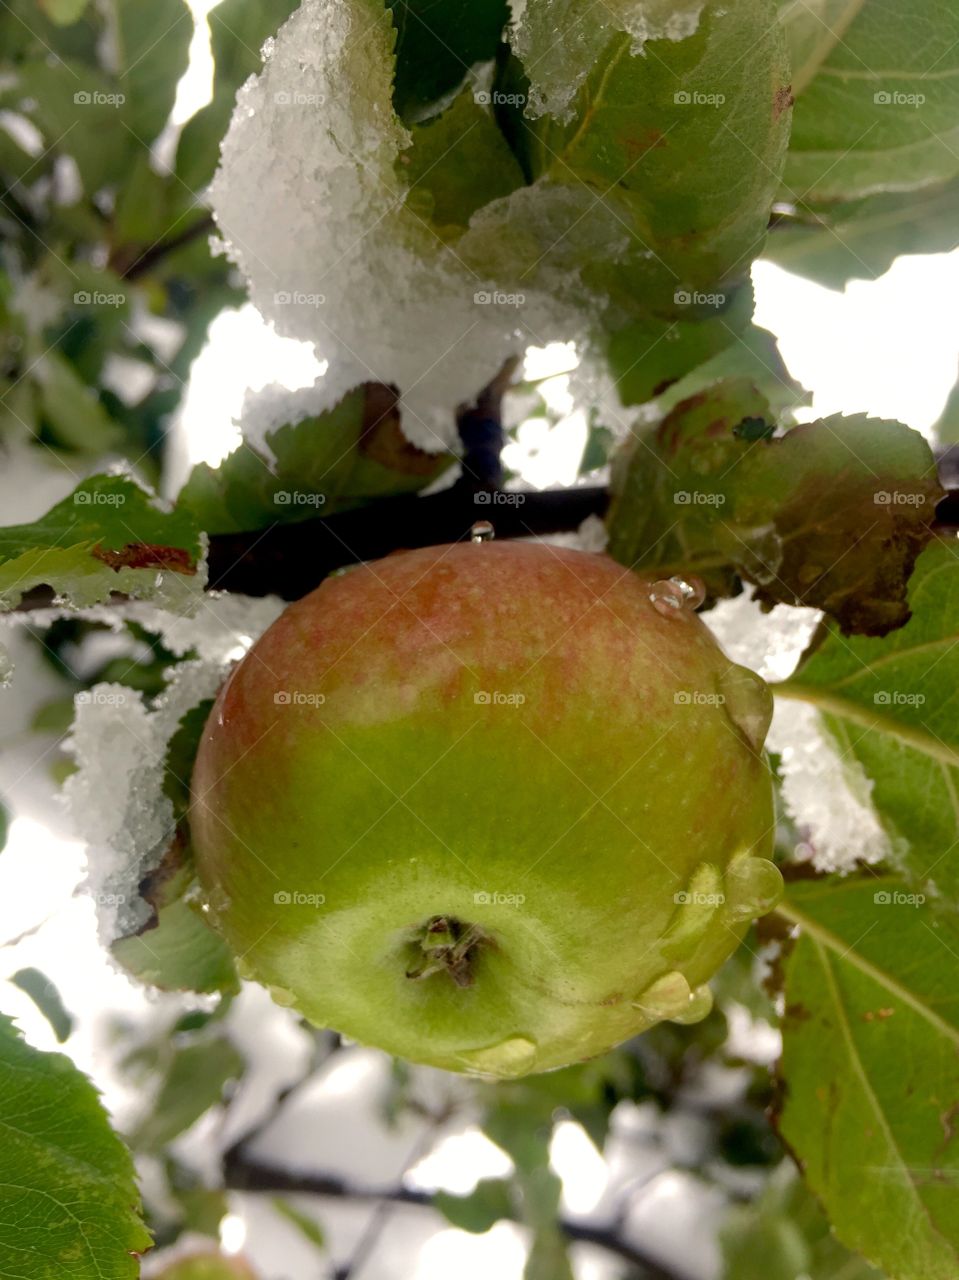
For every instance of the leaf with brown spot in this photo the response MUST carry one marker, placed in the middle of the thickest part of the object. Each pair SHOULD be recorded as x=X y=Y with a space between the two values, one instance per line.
x=145 y=555
x=831 y=514
x=110 y=535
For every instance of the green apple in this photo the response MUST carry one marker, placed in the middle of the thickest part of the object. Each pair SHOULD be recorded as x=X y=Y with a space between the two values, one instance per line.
x=494 y=807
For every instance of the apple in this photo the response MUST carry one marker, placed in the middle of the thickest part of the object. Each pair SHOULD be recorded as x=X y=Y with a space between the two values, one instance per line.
x=495 y=807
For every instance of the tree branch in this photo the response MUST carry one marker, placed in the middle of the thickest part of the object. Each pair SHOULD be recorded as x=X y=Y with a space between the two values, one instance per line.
x=243 y=1172
x=149 y=258
x=290 y=560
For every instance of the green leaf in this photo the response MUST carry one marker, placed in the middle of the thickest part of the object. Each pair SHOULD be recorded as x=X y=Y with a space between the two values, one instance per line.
x=4 y=826
x=860 y=239
x=194 y=1080
x=151 y=48
x=177 y=950
x=890 y=703
x=882 y=110
x=46 y=997
x=76 y=107
x=73 y=414
x=650 y=355
x=457 y=162
x=813 y=28
x=347 y=456
x=832 y=514
x=238 y=29
x=632 y=199
x=437 y=41
x=181 y=753
x=109 y=535
x=307 y=1226
x=486 y=1204
x=70 y=1203
x=870 y=1054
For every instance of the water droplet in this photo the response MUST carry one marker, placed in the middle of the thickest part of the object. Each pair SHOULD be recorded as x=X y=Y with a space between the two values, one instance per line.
x=753 y=887
x=482 y=531
x=762 y=550
x=748 y=703
x=693 y=589
x=673 y=596
x=668 y=996
x=514 y=1056
x=700 y=1004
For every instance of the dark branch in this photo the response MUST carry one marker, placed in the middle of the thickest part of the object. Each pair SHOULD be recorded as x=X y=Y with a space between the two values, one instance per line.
x=290 y=560
x=147 y=260
x=243 y=1172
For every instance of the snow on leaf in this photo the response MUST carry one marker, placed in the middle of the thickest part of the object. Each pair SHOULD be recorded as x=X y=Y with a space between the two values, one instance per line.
x=110 y=535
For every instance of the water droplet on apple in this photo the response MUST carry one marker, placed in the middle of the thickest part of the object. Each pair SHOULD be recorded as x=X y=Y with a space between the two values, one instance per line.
x=482 y=531
x=753 y=887
x=748 y=703
x=514 y=1056
x=700 y=1004
x=673 y=596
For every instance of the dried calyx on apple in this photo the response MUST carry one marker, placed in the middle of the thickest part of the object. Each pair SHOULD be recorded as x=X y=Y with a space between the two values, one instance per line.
x=492 y=807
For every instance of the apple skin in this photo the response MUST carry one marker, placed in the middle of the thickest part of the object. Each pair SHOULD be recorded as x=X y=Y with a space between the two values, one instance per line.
x=593 y=829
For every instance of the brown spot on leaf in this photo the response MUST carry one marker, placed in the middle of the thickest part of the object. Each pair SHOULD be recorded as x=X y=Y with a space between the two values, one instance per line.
x=146 y=555
x=783 y=100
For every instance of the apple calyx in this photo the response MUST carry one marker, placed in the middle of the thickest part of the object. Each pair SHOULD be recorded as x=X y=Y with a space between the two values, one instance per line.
x=446 y=945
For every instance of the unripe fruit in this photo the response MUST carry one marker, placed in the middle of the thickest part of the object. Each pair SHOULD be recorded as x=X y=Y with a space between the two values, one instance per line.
x=491 y=807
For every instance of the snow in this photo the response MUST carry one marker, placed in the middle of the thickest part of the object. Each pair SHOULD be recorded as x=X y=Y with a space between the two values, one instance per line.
x=558 y=41
x=825 y=791
x=342 y=263
x=119 y=743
